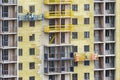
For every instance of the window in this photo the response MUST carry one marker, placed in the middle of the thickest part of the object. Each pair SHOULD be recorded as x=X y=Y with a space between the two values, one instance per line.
x=74 y=35
x=86 y=76
x=32 y=38
x=4 y=1
x=31 y=23
x=20 y=38
x=20 y=66
x=86 y=34
x=32 y=78
x=4 y=26
x=75 y=7
x=74 y=76
x=5 y=69
x=32 y=9
x=32 y=65
x=74 y=48
x=74 y=21
x=5 y=11
x=20 y=78
x=20 y=9
x=86 y=20
x=107 y=47
x=107 y=60
x=20 y=23
x=107 y=20
x=20 y=52
x=52 y=77
x=86 y=63
x=75 y=63
x=52 y=22
x=4 y=54
x=107 y=33
x=4 y=40
x=32 y=51
x=62 y=37
x=86 y=48
x=107 y=6
x=107 y=73
x=86 y=7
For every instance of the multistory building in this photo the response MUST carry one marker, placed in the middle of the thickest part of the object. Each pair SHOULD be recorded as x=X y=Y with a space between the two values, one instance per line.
x=8 y=40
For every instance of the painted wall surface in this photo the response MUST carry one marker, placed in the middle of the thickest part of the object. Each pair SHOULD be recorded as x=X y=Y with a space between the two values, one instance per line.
x=27 y=31
x=81 y=41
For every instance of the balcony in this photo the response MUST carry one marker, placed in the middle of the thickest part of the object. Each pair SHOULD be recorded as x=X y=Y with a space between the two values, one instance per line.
x=51 y=70
x=110 y=0
x=57 y=28
x=8 y=2
x=98 y=65
x=58 y=1
x=8 y=41
x=64 y=56
x=30 y=17
x=8 y=59
x=109 y=65
x=110 y=52
x=109 y=78
x=58 y=14
x=110 y=38
x=9 y=72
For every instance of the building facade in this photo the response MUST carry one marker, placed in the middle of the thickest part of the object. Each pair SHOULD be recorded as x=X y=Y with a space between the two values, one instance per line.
x=8 y=40
x=67 y=39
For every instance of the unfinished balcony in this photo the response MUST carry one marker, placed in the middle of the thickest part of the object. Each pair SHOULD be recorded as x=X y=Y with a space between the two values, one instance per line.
x=98 y=65
x=109 y=48
x=8 y=41
x=8 y=2
x=98 y=49
x=8 y=56
x=109 y=35
x=63 y=69
x=98 y=9
x=98 y=75
x=110 y=0
x=109 y=62
x=8 y=70
x=8 y=13
x=52 y=53
x=109 y=75
x=109 y=22
x=8 y=27
x=98 y=22
x=110 y=8
x=58 y=28
x=98 y=36
x=58 y=14
x=56 y=39
x=30 y=17
x=58 y=1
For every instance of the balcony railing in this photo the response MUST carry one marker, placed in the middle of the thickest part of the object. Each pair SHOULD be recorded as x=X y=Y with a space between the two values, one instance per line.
x=109 y=52
x=57 y=1
x=8 y=59
x=58 y=14
x=109 y=65
x=58 y=69
x=55 y=56
x=110 y=38
x=57 y=28
x=30 y=17
x=109 y=78
x=8 y=2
